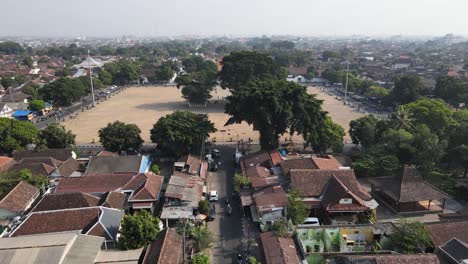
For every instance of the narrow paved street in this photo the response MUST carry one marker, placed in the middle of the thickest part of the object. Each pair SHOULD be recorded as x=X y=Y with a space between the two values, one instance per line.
x=228 y=229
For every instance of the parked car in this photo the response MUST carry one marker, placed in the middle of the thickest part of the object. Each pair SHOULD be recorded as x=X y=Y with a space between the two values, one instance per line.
x=215 y=154
x=311 y=221
x=213 y=196
x=212 y=213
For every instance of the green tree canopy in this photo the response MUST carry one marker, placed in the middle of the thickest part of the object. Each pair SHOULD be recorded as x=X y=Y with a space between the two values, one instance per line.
x=275 y=107
x=451 y=89
x=124 y=71
x=201 y=258
x=55 y=136
x=9 y=47
x=410 y=236
x=202 y=238
x=36 y=105
x=155 y=169
x=459 y=157
x=138 y=230
x=199 y=80
x=164 y=72
x=377 y=91
x=433 y=113
x=8 y=82
x=297 y=210
x=63 y=91
x=105 y=77
x=181 y=131
x=407 y=89
x=328 y=135
x=119 y=136
x=363 y=130
x=97 y=84
x=27 y=61
x=241 y=67
x=16 y=135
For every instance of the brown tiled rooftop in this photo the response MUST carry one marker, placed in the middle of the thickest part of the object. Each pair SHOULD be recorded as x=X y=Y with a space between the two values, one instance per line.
x=312 y=183
x=326 y=163
x=279 y=250
x=300 y=163
x=335 y=191
x=94 y=184
x=151 y=188
x=408 y=187
x=269 y=198
x=18 y=198
x=394 y=258
x=57 y=201
x=58 y=221
x=166 y=249
x=441 y=232
x=115 y=200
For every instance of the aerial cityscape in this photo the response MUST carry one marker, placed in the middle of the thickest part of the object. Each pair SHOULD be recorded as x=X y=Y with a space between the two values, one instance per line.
x=242 y=132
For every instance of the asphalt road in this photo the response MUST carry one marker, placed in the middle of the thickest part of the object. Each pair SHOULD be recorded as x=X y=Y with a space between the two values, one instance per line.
x=227 y=229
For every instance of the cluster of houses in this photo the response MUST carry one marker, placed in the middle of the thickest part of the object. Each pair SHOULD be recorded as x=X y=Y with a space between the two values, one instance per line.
x=78 y=217
x=348 y=230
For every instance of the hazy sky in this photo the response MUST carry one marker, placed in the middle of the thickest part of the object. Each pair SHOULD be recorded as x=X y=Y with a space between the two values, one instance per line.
x=237 y=17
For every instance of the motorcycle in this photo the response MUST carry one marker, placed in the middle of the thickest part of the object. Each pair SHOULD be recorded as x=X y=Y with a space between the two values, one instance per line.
x=229 y=209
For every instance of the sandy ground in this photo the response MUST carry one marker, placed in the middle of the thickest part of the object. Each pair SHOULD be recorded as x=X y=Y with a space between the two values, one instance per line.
x=145 y=105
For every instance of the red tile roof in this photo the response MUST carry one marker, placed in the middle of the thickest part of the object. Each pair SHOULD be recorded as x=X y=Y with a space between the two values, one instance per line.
x=325 y=163
x=312 y=183
x=19 y=197
x=6 y=163
x=301 y=163
x=151 y=188
x=94 y=183
x=279 y=250
x=276 y=158
x=58 y=221
x=257 y=158
x=57 y=201
x=394 y=258
x=269 y=198
x=335 y=191
x=442 y=232
x=115 y=200
x=166 y=249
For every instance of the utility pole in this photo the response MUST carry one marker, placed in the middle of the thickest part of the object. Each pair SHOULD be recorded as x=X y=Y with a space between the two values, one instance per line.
x=91 y=79
x=346 y=85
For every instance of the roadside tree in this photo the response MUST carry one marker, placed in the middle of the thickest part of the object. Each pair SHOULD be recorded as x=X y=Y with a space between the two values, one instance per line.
x=36 y=105
x=63 y=91
x=55 y=136
x=138 y=230
x=119 y=136
x=16 y=135
x=182 y=131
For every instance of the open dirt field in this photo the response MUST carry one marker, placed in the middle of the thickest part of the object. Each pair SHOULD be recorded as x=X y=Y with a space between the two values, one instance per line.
x=145 y=105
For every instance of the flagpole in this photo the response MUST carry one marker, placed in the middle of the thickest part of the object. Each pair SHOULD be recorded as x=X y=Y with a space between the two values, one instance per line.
x=91 y=79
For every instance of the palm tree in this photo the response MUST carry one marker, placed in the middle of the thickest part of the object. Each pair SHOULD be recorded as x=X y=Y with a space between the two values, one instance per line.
x=202 y=238
x=402 y=118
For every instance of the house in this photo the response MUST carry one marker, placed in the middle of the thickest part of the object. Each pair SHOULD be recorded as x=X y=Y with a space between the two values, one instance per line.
x=260 y=177
x=49 y=167
x=5 y=110
x=23 y=115
x=118 y=256
x=67 y=247
x=403 y=62
x=58 y=154
x=193 y=165
x=294 y=71
x=6 y=163
x=279 y=250
x=142 y=189
x=454 y=251
x=450 y=239
x=314 y=162
x=408 y=193
x=385 y=259
x=145 y=190
x=316 y=242
x=17 y=201
x=95 y=221
x=117 y=164
x=296 y=79
x=183 y=192
x=167 y=249
x=334 y=194
x=58 y=201
x=270 y=205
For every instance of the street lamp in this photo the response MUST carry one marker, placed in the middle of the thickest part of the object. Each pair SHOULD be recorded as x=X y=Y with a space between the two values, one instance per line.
x=91 y=79
x=346 y=85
